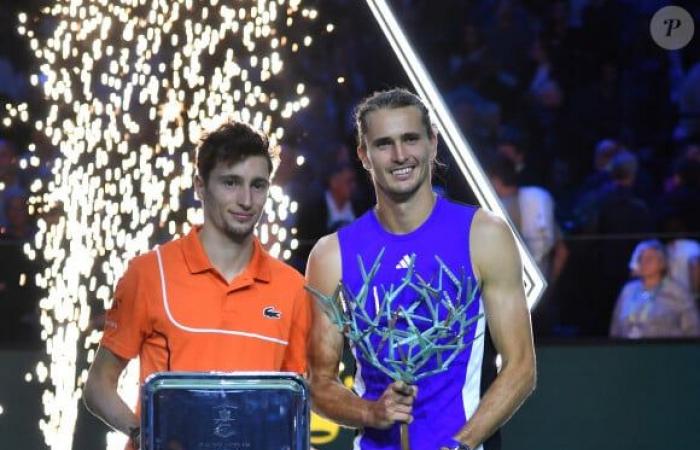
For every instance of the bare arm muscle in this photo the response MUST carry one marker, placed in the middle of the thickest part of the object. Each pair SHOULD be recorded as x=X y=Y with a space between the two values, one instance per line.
x=329 y=396
x=497 y=264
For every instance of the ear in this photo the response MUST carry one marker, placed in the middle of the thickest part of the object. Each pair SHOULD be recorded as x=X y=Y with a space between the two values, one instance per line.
x=199 y=187
x=434 y=142
x=362 y=155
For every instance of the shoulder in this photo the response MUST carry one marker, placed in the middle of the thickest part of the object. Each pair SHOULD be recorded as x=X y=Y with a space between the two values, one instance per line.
x=140 y=278
x=143 y=264
x=487 y=225
x=630 y=287
x=282 y=271
x=327 y=248
x=324 y=268
x=632 y=284
x=491 y=244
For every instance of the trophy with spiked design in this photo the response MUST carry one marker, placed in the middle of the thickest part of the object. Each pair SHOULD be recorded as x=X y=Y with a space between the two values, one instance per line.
x=412 y=340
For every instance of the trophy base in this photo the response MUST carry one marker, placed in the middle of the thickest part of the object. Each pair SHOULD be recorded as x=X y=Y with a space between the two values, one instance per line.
x=225 y=411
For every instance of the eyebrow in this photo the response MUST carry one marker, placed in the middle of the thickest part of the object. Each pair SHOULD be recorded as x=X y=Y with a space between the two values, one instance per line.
x=387 y=140
x=236 y=177
x=382 y=141
x=260 y=180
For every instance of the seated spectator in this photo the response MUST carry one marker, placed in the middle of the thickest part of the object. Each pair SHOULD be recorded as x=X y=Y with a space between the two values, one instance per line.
x=654 y=305
x=684 y=264
x=614 y=216
x=683 y=197
x=683 y=252
x=605 y=151
x=614 y=208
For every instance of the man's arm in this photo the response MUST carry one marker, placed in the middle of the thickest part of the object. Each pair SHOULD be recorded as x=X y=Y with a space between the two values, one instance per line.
x=329 y=396
x=101 y=396
x=295 y=355
x=497 y=265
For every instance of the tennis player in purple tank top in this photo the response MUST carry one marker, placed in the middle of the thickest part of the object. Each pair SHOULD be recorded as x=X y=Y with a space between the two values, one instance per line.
x=464 y=406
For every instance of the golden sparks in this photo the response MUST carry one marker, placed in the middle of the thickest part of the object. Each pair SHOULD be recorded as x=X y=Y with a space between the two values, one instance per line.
x=128 y=87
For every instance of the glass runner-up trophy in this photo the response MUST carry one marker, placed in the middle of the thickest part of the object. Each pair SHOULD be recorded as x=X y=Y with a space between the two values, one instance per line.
x=225 y=411
x=408 y=331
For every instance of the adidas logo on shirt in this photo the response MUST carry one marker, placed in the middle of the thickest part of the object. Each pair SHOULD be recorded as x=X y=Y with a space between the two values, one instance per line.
x=404 y=262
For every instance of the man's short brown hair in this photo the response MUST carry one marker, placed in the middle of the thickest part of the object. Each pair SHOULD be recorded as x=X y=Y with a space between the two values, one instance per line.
x=231 y=143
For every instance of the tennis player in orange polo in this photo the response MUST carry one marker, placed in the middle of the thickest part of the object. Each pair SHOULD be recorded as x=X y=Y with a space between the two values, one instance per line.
x=212 y=300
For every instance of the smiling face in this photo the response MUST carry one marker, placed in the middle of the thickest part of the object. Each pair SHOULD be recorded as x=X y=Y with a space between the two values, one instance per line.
x=234 y=196
x=398 y=152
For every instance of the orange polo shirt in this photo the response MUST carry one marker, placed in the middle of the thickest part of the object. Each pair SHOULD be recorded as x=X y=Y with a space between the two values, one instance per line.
x=198 y=321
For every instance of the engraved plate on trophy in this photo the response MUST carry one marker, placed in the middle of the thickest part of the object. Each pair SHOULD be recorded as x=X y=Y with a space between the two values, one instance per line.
x=225 y=411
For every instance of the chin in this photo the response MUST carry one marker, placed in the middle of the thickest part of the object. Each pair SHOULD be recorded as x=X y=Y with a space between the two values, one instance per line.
x=406 y=188
x=401 y=195
x=239 y=233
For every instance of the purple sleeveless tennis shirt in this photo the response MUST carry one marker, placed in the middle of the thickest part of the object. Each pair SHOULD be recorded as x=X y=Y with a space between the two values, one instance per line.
x=445 y=400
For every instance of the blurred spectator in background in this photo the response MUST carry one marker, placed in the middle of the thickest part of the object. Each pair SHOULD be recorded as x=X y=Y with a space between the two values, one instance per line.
x=682 y=199
x=654 y=305
x=477 y=116
x=679 y=211
x=614 y=208
x=468 y=61
x=20 y=226
x=324 y=213
x=593 y=112
x=615 y=217
x=10 y=183
x=514 y=146
x=605 y=151
x=689 y=105
x=531 y=209
x=684 y=264
x=545 y=95
x=13 y=84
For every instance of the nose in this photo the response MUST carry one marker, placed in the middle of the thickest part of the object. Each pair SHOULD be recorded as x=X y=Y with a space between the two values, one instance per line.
x=244 y=197
x=399 y=153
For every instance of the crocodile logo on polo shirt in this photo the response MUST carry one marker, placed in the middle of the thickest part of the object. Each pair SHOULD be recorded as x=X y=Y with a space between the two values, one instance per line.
x=271 y=313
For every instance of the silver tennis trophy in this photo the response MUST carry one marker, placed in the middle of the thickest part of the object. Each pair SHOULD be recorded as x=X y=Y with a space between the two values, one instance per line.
x=225 y=411
x=411 y=340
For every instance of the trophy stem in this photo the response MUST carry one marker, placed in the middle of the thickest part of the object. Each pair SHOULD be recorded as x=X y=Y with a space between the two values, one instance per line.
x=405 y=443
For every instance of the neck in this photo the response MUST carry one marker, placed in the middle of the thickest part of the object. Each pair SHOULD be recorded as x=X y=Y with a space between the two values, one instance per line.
x=404 y=216
x=651 y=281
x=229 y=256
